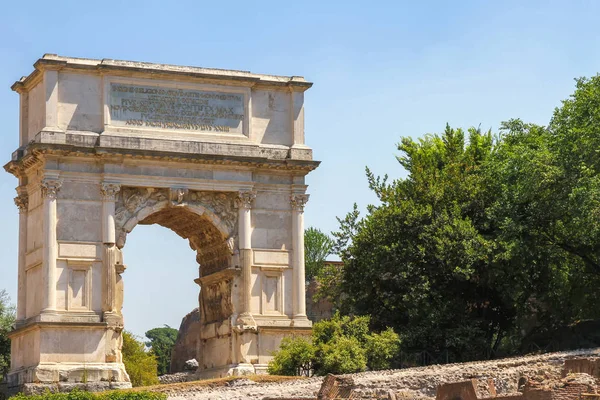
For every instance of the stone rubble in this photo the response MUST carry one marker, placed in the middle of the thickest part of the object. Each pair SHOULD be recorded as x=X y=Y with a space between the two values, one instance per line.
x=410 y=383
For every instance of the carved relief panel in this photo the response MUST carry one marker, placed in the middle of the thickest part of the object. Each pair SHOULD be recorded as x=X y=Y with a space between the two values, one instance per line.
x=133 y=205
x=215 y=301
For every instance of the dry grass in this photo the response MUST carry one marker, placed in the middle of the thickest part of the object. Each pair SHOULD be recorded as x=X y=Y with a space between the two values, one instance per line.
x=212 y=383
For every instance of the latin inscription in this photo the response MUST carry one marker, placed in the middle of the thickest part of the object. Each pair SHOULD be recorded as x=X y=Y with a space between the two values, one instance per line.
x=182 y=109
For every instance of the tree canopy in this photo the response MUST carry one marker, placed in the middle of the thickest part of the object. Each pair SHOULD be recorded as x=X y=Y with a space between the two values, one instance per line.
x=487 y=239
x=7 y=319
x=317 y=247
x=161 y=343
x=140 y=364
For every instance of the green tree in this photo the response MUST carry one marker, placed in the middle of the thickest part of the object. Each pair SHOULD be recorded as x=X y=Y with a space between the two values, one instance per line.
x=317 y=247
x=7 y=320
x=485 y=238
x=419 y=261
x=161 y=343
x=140 y=364
x=547 y=181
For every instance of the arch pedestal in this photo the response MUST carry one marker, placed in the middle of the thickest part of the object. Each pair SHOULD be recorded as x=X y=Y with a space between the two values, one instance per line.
x=88 y=175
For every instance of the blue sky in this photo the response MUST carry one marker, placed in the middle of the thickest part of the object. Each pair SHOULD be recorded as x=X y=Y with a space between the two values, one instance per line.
x=382 y=70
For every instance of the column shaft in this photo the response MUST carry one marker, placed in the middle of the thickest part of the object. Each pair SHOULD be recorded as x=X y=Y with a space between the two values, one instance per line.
x=50 y=188
x=246 y=261
x=110 y=278
x=298 y=268
x=109 y=192
x=245 y=200
x=299 y=280
x=108 y=221
x=22 y=202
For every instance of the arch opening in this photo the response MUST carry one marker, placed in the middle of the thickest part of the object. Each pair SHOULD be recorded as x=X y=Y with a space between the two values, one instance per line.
x=206 y=219
x=159 y=287
x=213 y=252
x=209 y=238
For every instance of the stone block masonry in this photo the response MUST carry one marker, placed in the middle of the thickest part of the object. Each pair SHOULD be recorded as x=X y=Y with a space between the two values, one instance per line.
x=216 y=156
x=411 y=383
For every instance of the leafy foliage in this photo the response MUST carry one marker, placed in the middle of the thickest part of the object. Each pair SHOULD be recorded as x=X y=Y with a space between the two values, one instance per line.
x=161 y=343
x=295 y=357
x=141 y=365
x=382 y=349
x=339 y=345
x=83 y=395
x=317 y=247
x=7 y=319
x=342 y=355
x=329 y=286
x=486 y=238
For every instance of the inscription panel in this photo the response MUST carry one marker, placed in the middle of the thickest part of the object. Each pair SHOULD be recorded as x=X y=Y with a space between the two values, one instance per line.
x=146 y=106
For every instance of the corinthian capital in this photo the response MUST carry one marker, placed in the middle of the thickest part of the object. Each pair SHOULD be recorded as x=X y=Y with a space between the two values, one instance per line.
x=22 y=202
x=50 y=188
x=245 y=198
x=299 y=201
x=109 y=190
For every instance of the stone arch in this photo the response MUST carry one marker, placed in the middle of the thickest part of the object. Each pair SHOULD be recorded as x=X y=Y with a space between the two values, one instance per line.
x=208 y=220
x=89 y=187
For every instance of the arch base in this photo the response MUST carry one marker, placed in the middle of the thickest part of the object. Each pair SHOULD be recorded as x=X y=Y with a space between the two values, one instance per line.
x=63 y=355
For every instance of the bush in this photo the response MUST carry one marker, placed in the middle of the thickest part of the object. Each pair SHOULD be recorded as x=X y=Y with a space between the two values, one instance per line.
x=382 y=348
x=141 y=365
x=339 y=345
x=342 y=355
x=82 y=395
x=294 y=357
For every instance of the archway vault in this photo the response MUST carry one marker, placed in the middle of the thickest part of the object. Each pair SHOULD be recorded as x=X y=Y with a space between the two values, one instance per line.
x=208 y=220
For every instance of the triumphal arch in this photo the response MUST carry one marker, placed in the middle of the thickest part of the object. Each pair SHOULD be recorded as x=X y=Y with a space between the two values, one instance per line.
x=217 y=156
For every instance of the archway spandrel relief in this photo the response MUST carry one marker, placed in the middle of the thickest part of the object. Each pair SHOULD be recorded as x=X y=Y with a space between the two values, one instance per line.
x=139 y=205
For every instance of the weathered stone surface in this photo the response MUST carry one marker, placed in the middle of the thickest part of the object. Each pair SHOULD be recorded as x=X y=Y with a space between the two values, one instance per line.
x=413 y=383
x=458 y=390
x=178 y=377
x=187 y=341
x=217 y=156
x=191 y=365
x=317 y=309
x=41 y=388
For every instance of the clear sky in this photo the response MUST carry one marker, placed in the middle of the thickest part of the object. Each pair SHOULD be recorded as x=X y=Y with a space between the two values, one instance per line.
x=381 y=70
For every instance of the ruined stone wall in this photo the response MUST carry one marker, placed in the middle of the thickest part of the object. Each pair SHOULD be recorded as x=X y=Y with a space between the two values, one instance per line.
x=187 y=341
x=317 y=309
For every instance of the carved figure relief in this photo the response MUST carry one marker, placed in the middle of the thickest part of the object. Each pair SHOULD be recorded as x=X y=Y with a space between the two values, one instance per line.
x=130 y=201
x=215 y=301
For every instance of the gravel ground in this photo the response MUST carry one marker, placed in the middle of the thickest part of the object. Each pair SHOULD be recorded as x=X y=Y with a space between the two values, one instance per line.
x=413 y=383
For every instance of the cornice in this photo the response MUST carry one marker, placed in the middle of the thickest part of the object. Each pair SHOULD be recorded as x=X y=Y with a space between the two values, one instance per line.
x=120 y=67
x=34 y=154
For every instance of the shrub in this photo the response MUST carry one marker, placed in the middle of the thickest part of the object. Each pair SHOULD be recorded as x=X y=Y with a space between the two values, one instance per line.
x=343 y=355
x=82 y=395
x=141 y=365
x=294 y=357
x=339 y=345
x=7 y=318
x=382 y=348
